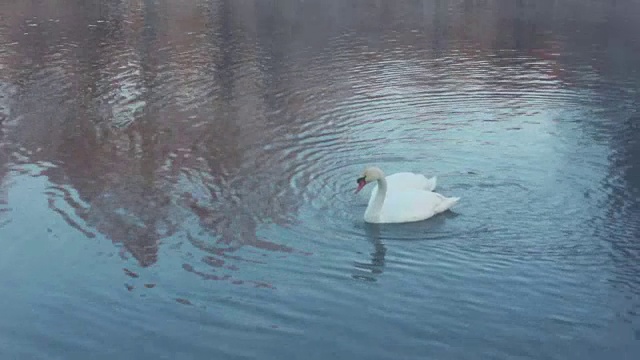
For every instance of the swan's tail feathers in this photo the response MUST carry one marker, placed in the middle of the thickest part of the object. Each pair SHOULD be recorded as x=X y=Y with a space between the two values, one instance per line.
x=431 y=184
x=447 y=204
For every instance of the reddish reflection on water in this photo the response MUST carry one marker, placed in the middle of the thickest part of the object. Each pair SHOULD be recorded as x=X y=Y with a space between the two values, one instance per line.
x=139 y=125
x=175 y=122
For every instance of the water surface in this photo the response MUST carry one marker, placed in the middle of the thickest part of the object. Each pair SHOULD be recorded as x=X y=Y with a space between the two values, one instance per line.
x=176 y=179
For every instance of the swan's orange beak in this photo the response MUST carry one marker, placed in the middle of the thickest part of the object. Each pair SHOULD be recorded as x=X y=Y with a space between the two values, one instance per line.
x=361 y=183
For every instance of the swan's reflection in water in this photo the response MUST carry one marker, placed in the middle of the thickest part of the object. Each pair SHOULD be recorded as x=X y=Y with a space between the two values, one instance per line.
x=369 y=271
x=431 y=229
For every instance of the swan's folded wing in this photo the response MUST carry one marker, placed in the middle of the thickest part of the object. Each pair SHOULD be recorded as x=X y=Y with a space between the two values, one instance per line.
x=409 y=180
x=411 y=205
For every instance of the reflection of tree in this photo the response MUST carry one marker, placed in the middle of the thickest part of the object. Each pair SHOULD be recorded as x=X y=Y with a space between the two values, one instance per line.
x=129 y=183
x=235 y=190
x=156 y=115
x=6 y=98
x=5 y=109
x=159 y=126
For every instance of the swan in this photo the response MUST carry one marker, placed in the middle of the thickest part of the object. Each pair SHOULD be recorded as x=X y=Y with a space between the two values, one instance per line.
x=400 y=204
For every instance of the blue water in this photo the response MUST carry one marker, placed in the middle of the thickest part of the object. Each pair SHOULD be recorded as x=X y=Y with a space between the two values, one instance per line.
x=177 y=179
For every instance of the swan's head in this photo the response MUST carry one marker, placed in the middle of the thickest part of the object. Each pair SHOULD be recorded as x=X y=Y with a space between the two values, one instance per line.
x=370 y=174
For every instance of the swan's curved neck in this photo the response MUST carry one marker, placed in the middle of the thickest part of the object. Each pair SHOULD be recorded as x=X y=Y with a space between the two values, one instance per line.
x=375 y=208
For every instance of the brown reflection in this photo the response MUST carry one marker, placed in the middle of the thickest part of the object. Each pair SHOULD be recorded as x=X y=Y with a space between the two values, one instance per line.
x=6 y=95
x=147 y=127
x=153 y=114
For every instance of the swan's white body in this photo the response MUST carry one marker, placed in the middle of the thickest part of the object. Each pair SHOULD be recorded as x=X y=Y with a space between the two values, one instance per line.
x=409 y=198
x=406 y=181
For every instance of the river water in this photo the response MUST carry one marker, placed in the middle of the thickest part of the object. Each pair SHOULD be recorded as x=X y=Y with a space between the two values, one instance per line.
x=177 y=179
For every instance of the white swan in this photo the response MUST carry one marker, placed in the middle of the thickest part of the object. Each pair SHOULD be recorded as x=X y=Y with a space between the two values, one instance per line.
x=398 y=204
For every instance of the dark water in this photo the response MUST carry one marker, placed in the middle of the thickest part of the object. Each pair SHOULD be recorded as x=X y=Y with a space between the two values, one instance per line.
x=177 y=177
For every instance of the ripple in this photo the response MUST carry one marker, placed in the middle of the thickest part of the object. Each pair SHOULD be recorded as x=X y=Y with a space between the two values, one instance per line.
x=194 y=165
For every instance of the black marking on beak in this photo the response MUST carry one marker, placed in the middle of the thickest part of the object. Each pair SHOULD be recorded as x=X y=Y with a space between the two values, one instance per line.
x=361 y=179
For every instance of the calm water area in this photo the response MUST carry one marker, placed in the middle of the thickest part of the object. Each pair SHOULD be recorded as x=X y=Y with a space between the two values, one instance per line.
x=177 y=179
